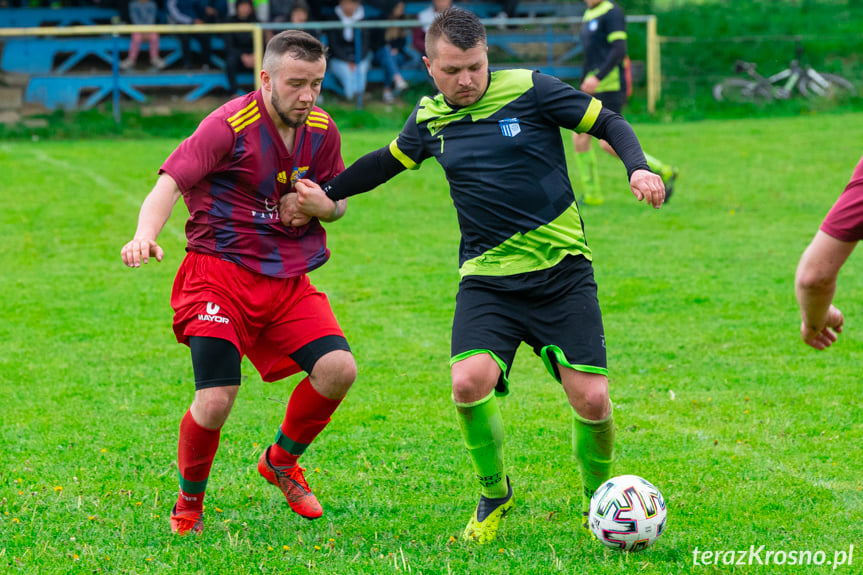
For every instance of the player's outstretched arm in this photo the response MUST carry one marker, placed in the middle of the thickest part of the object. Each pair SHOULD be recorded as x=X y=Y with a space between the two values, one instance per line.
x=327 y=202
x=815 y=285
x=155 y=211
x=645 y=185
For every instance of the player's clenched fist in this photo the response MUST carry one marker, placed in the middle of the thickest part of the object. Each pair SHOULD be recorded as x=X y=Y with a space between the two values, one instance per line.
x=137 y=252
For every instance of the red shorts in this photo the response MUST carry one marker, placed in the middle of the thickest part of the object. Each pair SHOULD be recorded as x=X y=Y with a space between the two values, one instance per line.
x=266 y=318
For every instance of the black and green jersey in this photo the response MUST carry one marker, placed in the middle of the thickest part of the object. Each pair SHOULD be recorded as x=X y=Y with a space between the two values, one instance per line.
x=602 y=26
x=504 y=159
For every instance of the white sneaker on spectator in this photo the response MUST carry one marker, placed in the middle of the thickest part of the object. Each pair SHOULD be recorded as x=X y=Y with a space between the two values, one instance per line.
x=388 y=96
x=400 y=84
x=127 y=64
x=158 y=64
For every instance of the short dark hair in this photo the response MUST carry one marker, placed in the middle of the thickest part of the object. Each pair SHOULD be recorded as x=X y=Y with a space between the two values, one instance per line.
x=461 y=28
x=300 y=5
x=300 y=45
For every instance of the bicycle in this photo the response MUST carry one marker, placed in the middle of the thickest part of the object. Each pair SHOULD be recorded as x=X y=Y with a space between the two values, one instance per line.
x=782 y=85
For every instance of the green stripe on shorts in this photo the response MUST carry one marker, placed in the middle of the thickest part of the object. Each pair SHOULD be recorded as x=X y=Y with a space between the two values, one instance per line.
x=552 y=354
x=500 y=363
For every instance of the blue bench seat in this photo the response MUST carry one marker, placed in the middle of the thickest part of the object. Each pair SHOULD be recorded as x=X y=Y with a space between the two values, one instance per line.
x=37 y=55
x=32 y=17
x=65 y=92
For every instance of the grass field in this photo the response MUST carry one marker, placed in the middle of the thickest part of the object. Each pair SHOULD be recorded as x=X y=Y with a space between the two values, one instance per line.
x=753 y=438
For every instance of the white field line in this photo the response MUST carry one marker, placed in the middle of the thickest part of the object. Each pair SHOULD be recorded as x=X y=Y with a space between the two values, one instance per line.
x=102 y=183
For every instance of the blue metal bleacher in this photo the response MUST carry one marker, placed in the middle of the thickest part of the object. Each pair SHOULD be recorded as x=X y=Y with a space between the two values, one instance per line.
x=54 y=83
x=492 y=9
x=38 y=55
x=65 y=92
x=31 y=17
x=60 y=78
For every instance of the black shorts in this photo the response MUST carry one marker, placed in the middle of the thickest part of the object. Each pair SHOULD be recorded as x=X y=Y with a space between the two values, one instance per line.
x=614 y=101
x=555 y=311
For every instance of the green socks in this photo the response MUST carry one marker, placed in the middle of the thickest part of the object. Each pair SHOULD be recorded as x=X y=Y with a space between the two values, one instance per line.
x=482 y=429
x=593 y=443
x=588 y=168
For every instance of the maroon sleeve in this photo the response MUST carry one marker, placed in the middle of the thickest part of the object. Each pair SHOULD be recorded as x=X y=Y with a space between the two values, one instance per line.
x=845 y=219
x=199 y=154
x=329 y=162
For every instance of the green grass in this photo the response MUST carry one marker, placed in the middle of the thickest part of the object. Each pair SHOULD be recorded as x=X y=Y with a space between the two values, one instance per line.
x=752 y=437
x=703 y=39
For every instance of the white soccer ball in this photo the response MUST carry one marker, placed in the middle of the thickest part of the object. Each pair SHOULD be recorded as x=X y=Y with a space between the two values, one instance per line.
x=627 y=513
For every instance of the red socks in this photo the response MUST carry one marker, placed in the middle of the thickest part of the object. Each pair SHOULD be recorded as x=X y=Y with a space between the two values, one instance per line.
x=307 y=415
x=195 y=454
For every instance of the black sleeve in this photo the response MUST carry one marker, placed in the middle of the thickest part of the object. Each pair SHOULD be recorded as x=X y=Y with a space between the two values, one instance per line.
x=611 y=127
x=614 y=59
x=365 y=174
x=559 y=103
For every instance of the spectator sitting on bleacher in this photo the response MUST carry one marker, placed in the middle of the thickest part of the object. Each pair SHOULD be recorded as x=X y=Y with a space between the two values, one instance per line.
x=239 y=46
x=143 y=12
x=390 y=49
x=426 y=17
x=295 y=11
x=196 y=12
x=342 y=47
x=301 y=13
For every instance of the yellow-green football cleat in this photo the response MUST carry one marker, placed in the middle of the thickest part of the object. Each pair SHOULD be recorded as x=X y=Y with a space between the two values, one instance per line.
x=585 y=525
x=593 y=199
x=669 y=180
x=482 y=527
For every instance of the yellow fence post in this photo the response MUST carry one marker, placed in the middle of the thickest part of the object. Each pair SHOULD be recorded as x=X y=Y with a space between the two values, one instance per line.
x=258 y=39
x=654 y=72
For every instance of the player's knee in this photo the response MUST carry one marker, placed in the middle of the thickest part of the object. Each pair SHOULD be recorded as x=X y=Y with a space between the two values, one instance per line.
x=213 y=405
x=218 y=405
x=471 y=385
x=594 y=404
x=345 y=368
x=334 y=373
x=581 y=142
x=463 y=388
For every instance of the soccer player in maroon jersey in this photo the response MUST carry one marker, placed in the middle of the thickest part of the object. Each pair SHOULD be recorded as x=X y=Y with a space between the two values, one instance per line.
x=815 y=283
x=243 y=287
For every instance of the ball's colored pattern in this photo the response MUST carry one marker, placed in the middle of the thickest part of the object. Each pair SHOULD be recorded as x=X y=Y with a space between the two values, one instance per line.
x=628 y=513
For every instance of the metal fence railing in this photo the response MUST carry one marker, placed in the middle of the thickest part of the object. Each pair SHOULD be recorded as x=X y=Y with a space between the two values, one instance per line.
x=513 y=25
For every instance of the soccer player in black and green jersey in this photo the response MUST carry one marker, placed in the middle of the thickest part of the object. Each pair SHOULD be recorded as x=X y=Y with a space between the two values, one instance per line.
x=526 y=272
x=603 y=38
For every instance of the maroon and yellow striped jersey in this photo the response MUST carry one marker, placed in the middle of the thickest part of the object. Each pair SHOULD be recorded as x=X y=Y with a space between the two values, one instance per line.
x=232 y=171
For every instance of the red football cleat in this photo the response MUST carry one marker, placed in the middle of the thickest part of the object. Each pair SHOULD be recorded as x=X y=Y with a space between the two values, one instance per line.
x=186 y=522
x=293 y=484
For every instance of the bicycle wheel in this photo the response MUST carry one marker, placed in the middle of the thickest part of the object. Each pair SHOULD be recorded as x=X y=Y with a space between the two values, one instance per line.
x=821 y=85
x=741 y=90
